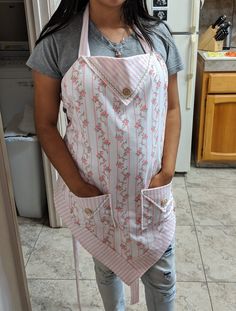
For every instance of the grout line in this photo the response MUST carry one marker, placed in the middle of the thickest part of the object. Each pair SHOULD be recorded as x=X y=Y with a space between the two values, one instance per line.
x=192 y=281
x=221 y=282
x=52 y=279
x=33 y=248
x=192 y=185
x=214 y=226
x=204 y=282
x=194 y=225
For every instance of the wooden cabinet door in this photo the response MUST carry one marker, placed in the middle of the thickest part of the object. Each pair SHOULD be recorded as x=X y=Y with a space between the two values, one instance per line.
x=220 y=128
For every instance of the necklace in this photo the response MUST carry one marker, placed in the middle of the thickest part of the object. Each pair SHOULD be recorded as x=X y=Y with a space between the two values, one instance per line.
x=114 y=46
x=117 y=49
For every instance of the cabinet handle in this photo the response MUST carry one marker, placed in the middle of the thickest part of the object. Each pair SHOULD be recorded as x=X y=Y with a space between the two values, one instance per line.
x=190 y=75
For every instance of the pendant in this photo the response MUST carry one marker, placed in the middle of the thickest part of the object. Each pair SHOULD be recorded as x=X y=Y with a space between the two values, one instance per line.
x=118 y=54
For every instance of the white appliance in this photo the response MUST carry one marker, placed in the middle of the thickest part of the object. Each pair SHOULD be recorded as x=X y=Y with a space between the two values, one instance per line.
x=25 y=159
x=182 y=17
x=24 y=152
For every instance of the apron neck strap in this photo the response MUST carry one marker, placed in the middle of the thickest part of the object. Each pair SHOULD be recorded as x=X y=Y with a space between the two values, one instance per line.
x=84 y=49
x=147 y=49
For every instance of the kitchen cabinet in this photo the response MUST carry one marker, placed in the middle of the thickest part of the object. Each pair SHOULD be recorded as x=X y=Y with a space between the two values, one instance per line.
x=214 y=134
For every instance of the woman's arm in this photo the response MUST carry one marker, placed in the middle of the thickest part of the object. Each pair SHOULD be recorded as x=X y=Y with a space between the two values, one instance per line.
x=47 y=103
x=172 y=136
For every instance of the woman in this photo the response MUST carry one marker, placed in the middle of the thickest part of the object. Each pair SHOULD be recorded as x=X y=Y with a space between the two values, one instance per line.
x=114 y=68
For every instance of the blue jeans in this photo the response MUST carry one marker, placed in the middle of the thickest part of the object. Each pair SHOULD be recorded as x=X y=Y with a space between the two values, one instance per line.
x=159 y=282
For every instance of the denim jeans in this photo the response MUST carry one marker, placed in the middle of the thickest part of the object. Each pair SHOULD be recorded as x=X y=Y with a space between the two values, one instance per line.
x=159 y=283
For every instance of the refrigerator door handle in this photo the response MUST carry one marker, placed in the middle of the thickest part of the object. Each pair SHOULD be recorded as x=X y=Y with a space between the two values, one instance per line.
x=191 y=73
x=194 y=21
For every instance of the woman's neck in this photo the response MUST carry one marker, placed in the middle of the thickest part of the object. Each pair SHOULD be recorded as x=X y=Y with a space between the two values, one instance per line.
x=106 y=16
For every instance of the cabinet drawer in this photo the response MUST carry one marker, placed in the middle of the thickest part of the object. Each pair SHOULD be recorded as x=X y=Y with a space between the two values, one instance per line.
x=222 y=83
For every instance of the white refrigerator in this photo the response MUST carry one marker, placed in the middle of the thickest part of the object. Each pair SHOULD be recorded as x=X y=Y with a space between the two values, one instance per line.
x=182 y=17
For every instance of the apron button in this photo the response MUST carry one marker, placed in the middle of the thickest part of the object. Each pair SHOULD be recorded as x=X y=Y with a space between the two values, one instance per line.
x=88 y=211
x=126 y=92
x=163 y=202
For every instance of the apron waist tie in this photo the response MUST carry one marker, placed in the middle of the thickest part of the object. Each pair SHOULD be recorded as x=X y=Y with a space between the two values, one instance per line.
x=134 y=287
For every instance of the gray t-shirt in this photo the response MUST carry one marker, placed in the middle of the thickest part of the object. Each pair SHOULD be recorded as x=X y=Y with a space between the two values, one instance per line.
x=55 y=54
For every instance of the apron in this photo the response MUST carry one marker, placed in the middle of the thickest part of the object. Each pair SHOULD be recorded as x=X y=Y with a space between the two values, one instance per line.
x=117 y=110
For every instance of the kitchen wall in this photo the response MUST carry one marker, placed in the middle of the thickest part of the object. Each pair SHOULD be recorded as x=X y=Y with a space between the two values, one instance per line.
x=212 y=9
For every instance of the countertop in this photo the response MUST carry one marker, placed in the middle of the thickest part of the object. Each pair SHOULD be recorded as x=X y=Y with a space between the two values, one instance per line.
x=217 y=64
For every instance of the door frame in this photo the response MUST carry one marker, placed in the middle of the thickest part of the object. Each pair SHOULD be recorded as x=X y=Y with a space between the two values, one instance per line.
x=14 y=293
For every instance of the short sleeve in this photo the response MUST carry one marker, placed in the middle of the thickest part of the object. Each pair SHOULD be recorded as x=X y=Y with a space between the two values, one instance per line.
x=174 y=62
x=173 y=58
x=44 y=58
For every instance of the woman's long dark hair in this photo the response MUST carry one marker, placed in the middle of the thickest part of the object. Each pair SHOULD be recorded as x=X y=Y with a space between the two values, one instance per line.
x=135 y=13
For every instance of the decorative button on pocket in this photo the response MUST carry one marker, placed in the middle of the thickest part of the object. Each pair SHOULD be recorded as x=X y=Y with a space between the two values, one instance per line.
x=164 y=202
x=126 y=92
x=88 y=211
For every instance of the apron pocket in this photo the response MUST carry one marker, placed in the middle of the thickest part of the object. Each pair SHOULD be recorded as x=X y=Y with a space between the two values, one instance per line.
x=92 y=213
x=157 y=204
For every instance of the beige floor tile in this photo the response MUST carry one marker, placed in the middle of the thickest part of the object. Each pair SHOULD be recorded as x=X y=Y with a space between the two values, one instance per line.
x=179 y=180
x=188 y=260
x=223 y=296
x=29 y=230
x=86 y=265
x=53 y=295
x=211 y=177
x=213 y=206
x=192 y=296
x=89 y=296
x=183 y=211
x=52 y=257
x=217 y=246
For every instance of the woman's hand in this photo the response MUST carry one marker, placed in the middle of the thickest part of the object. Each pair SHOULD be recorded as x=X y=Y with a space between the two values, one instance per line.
x=86 y=190
x=160 y=179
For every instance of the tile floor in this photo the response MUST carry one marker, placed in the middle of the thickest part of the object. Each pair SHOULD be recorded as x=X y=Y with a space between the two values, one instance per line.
x=205 y=251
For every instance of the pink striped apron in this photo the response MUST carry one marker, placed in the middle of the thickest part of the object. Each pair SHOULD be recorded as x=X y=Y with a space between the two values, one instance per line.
x=117 y=109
